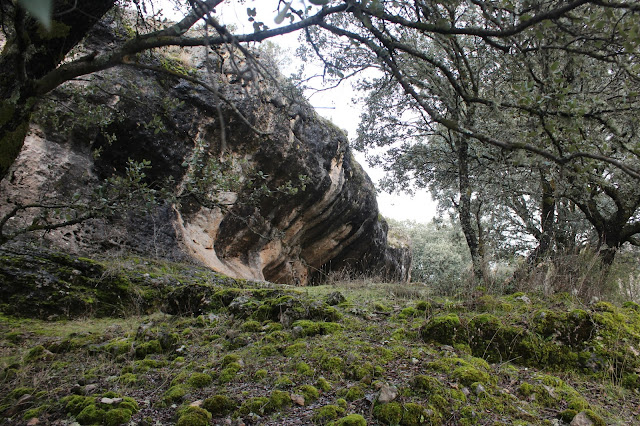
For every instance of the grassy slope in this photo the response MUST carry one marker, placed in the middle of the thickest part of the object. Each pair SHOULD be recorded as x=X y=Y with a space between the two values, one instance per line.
x=246 y=348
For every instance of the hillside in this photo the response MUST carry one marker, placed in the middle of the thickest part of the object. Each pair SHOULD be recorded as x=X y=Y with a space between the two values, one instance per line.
x=136 y=341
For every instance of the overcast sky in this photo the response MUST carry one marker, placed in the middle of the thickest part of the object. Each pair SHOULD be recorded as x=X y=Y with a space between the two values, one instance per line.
x=336 y=105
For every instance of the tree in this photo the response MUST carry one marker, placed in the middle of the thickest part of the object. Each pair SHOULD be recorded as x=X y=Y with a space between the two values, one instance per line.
x=552 y=87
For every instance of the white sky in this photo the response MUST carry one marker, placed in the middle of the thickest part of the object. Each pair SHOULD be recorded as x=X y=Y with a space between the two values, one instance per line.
x=334 y=104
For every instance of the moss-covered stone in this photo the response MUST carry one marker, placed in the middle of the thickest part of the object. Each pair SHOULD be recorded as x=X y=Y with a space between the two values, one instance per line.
x=310 y=393
x=258 y=405
x=91 y=415
x=324 y=415
x=413 y=415
x=117 y=416
x=219 y=405
x=323 y=384
x=199 y=380
x=175 y=394
x=351 y=420
x=355 y=392
x=194 y=416
x=229 y=373
x=442 y=329
x=389 y=414
x=312 y=328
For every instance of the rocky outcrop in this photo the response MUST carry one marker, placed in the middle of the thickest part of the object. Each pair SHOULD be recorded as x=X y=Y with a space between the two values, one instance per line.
x=263 y=187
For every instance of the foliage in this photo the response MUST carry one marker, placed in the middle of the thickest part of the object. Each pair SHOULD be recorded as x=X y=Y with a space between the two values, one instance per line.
x=440 y=256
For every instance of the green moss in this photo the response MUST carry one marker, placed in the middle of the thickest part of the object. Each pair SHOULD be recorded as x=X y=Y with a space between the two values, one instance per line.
x=91 y=415
x=631 y=306
x=194 y=416
x=295 y=349
x=257 y=405
x=119 y=346
x=261 y=374
x=35 y=353
x=425 y=383
x=175 y=394
x=596 y=419
x=423 y=306
x=278 y=400
x=351 y=420
x=324 y=415
x=413 y=415
x=199 y=380
x=442 y=329
x=309 y=392
x=468 y=375
x=578 y=404
x=35 y=412
x=390 y=413
x=128 y=379
x=117 y=416
x=312 y=328
x=323 y=384
x=229 y=373
x=74 y=404
x=409 y=312
x=354 y=393
x=567 y=415
x=251 y=326
x=219 y=405
x=229 y=359
x=284 y=381
x=334 y=365
x=20 y=391
x=304 y=369
x=147 y=348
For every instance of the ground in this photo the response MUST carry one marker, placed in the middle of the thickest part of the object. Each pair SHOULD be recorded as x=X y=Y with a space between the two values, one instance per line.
x=232 y=352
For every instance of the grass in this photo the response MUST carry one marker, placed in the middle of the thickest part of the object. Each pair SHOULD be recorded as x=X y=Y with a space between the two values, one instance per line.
x=503 y=359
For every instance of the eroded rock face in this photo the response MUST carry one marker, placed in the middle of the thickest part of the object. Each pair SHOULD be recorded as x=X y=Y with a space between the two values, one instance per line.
x=300 y=206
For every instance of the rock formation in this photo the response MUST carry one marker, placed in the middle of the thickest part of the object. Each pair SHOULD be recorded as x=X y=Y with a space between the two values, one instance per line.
x=265 y=189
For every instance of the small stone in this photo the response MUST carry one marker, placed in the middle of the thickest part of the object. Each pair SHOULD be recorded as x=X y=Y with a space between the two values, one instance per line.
x=524 y=299
x=414 y=361
x=297 y=331
x=110 y=401
x=197 y=403
x=297 y=399
x=387 y=394
x=581 y=419
x=479 y=389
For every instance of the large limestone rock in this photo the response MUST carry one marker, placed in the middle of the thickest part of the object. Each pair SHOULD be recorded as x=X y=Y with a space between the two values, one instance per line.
x=289 y=203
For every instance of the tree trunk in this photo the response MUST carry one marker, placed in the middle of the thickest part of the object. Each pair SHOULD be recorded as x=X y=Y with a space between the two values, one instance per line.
x=464 y=210
x=547 y=222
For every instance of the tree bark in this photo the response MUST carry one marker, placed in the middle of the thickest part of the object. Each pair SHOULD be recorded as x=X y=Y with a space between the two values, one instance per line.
x=464 y=210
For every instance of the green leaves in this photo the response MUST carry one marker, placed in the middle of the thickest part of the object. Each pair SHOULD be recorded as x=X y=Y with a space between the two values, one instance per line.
x=39 y=9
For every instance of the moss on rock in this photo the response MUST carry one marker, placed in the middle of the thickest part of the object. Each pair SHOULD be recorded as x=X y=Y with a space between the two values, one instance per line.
x=219 y=405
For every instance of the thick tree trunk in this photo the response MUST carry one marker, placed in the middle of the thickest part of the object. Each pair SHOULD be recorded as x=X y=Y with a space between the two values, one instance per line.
x=547 y=222
x=465 y=213
x=29 y=54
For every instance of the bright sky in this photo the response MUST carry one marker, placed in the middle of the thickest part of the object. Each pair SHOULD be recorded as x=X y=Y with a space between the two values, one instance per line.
x=334 y=104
